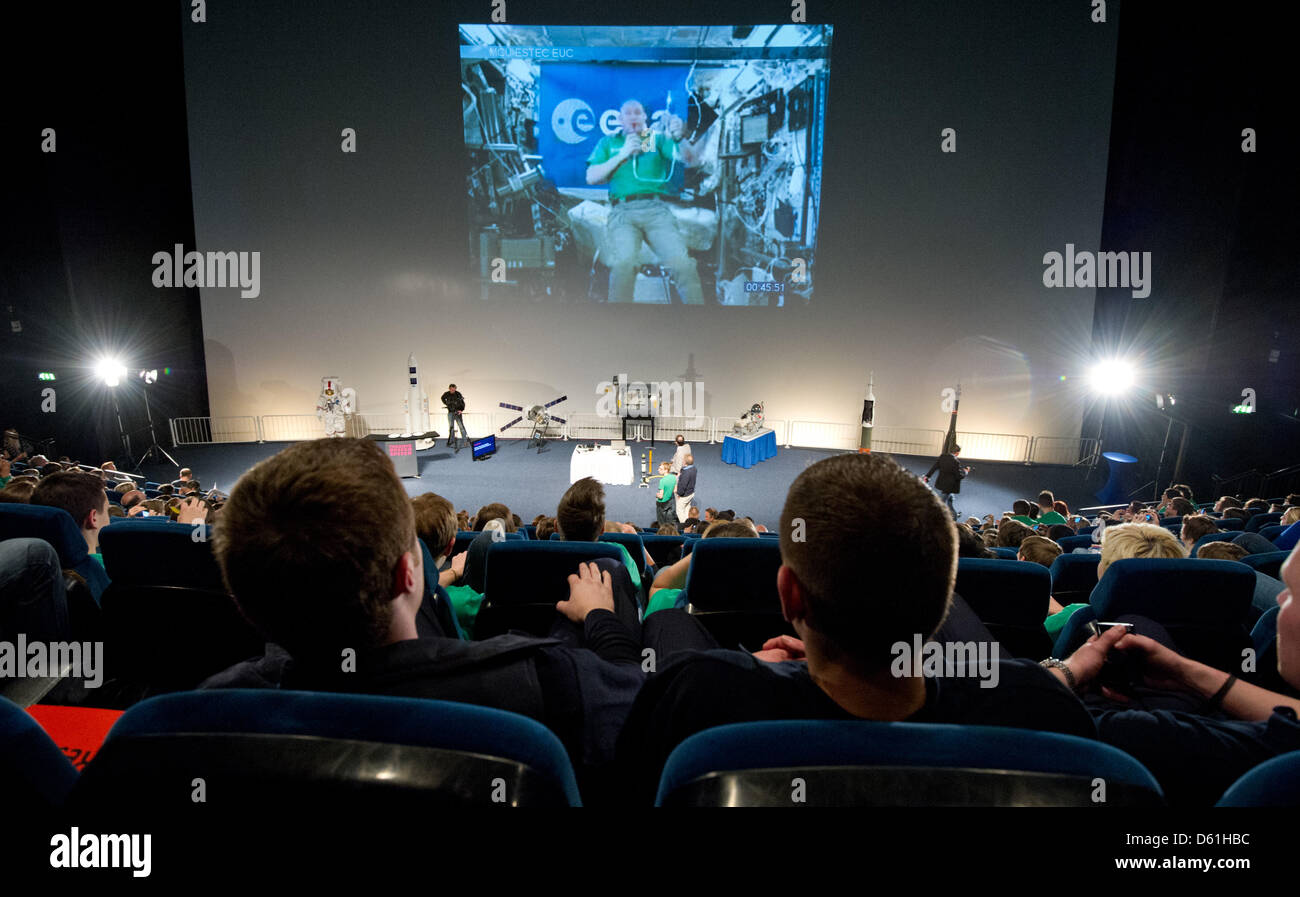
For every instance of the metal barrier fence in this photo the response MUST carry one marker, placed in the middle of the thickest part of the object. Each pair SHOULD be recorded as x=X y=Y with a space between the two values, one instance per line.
x=823 y=434
x=291 y=427
x=907 y=440
x=1064 y=450
x=206 y=430
x=835 y=435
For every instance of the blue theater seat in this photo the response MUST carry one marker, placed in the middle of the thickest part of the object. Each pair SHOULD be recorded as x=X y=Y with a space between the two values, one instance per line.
x=1010 y=598
x=1211 y=537
x=1069 y=543
x=523 y=581
x=1272 y=531
x=35 y=776
x=666 y=550
x=1268 y=562
x=166 y=582
x=57 y=527
x=1005 y=554
x=1264 y=638
x=270 y=751
x=1201 y=603
x=868 y=764
x=731 y=589
x=1074 y=576
x=634 y=545
x=1230 y=523
x=1261 y=520
x=464 y=537
x=1274 y=783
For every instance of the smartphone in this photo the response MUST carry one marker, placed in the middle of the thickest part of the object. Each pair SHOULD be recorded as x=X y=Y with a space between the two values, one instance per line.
x=1096 y=627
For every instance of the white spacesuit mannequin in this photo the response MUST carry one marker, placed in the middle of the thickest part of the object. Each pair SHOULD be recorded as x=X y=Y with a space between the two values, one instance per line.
x=333 y=405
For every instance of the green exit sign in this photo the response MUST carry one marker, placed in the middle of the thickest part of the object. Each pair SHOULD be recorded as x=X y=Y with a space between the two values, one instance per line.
x=1243 y=409
x=45 y=375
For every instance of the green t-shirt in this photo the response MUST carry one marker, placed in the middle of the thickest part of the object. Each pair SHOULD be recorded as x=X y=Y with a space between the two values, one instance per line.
x=1051 y=518
x=1027 y=521
x=4 y=481
x=466 y=602
x=666 y=486
x=646 y=173
x=1056 y=622
x=664 y=599
x=99 y=556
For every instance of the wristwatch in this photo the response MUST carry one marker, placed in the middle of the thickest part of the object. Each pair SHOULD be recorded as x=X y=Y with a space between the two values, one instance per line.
x=1057 y=663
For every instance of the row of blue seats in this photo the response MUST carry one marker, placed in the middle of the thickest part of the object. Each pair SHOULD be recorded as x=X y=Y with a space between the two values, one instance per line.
x=395 y=753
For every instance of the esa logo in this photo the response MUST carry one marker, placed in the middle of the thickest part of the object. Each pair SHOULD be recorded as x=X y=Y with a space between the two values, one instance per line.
x=573 y=120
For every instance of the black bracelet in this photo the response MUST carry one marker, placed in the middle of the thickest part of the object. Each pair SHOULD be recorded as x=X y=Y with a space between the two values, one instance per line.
x=1217 y=701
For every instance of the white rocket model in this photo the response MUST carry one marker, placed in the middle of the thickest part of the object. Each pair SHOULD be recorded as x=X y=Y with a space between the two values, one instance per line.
x=416 y=404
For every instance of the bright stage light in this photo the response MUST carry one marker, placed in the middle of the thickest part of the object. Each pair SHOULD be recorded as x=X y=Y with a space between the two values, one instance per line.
x=1111 y=378
x=149 y=377
x=110 y=370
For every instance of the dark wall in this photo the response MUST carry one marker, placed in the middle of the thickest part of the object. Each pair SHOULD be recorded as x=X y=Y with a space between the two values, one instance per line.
x=81 y=224
x=1222 y=227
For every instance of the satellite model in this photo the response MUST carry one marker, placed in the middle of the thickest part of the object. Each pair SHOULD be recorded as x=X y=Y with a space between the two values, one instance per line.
x=750 y=422
x=538 y=416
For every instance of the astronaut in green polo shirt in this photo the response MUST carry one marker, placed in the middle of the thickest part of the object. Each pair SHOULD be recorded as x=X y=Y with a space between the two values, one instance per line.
x=638 y=165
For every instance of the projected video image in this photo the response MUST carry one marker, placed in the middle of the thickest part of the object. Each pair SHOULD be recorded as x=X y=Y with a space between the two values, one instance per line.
x=653 y=165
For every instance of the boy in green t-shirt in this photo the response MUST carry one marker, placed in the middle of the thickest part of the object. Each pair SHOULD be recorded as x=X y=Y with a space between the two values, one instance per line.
x=665 y=510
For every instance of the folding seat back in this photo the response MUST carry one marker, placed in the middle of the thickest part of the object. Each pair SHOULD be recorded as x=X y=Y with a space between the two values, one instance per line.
x=1231 y=523
x=731 y=589
x=1069 y=543
x=1211 y=537
x=168 y=620
x=57 y=527
x=1173 y=524
x=1011 y=599
x=1274 y=783
x=1201 y=603
x=666 y=550
x=523 y=581
x=634 y=545
x=1268 y=562
x=1074 y=576
x=1005 y=554
x=1261 y=520
x=1272 y=531
x=867 y=764
x=265 y=750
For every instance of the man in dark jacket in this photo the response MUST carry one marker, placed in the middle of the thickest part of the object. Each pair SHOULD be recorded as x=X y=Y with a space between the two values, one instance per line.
x=455 y=402
x=950 y=476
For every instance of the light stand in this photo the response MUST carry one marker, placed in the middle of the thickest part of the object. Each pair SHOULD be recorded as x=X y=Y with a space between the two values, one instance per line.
x=155 y=451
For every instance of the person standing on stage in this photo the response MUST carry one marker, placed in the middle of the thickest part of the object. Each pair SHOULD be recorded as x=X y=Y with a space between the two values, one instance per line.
x=686 y=487
x=455 y=402
x=679 y=456
x=950 y=476
x=665 y=514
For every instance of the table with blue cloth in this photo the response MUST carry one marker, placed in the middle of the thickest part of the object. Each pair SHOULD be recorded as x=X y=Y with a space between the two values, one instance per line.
x=746 y=451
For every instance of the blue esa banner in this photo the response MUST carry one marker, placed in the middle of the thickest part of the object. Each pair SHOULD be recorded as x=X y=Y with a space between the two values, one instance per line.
x=579 y=104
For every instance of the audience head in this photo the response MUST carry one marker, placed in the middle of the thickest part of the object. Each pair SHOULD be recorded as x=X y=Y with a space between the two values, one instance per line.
x=166 y=489
x=861 y=512
x=1045 y=500
x=1237 y=513
x=318 y=546
x=435 y=523
x=19 y=491
x=693 y=513
x=1059 y=531
x=580 y=516
x=81 y=495
x=667 y=529
x=726 y=515
x=1227 y=501
x=462 y=520
x=1038 y=550
x=1221 y=551
x=124 y=488
x=730 y=529
x=1293 y=500
x=1182 y=507
x=132 y=498
x=1011 y=533
x=1256 y=504
x=1290 y=516
x=1061 y=508
x=186 y=474
x=494 y=511
x=1137 y=540
x=969 y=544
x=1195 y=526
x=710 y=515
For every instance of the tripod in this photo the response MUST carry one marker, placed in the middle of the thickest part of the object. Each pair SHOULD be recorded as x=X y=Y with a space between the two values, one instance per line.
x=154 y=452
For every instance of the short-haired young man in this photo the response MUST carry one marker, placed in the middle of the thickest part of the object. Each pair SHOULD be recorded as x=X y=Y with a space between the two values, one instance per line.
x=1038 y=550
x=1048 y=514
x=82 y=496
x=1194 y=527
x=860 y=512
x=318 y=545
x=580 y=517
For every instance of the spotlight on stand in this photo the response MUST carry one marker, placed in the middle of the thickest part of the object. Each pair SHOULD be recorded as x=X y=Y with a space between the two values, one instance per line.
x=1111 y=377
x=110 y=370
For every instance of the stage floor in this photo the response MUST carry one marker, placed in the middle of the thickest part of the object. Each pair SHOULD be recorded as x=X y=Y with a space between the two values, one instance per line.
x=531 y=483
